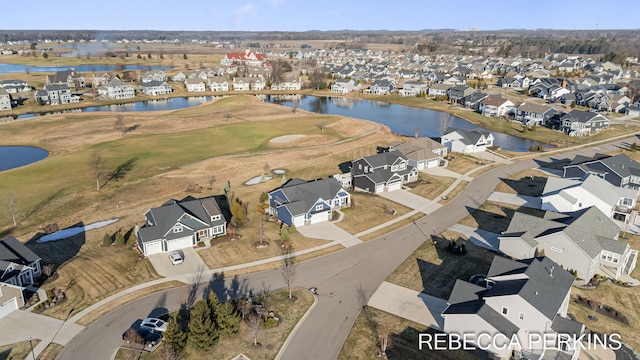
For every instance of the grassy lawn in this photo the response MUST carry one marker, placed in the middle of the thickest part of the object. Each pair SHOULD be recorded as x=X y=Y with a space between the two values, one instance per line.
x=529 y=182
x=51 y=352
x=455 y=192
x=242 y=343
x=404 y=334
x=463 y=163
x=495 y=217
x=430 y=186
x=367 y=211
x=432 y=269
x=392 y=227
x=18 y=350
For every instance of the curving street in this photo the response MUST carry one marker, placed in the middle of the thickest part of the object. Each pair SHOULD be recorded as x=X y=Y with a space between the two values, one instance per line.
x=345 y=279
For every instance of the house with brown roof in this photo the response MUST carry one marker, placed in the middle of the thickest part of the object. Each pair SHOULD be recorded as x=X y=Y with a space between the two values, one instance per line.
x=495 y=106
x=422 y=152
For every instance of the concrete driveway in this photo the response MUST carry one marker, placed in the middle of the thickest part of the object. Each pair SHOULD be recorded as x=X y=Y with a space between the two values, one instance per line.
x=328 y=231
x=482 y=238
x=23 y=324
x=409 y=199
x=515 y=199
x=192 y=263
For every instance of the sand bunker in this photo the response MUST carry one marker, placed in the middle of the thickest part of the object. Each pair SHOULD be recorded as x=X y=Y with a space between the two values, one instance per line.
x=287 y=138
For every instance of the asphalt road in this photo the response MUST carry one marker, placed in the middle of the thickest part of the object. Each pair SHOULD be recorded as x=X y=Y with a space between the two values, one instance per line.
x=345 y=279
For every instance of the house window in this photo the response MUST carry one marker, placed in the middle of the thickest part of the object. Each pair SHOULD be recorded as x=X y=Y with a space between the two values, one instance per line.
x=215 y=217
x=521 y=316
x=627 y=202
x=505 y=311
x=319 y=207
x=394 y=168
x=403 y=166
x=177 y=229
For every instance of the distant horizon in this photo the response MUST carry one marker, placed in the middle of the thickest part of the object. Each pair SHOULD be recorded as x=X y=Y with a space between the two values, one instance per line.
x=326 y=30
x=328 y=15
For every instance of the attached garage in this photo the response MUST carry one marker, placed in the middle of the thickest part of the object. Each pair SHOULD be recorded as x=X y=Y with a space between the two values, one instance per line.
x=394 y=186
x=152 y=247
x=298 y=221
x=319 y=217
x=180 y=243
x=8 y=307
x=379 y=188
x=431 y=163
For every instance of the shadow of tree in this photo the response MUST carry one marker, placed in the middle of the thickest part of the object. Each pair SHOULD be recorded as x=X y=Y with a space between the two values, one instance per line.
x=60 y=251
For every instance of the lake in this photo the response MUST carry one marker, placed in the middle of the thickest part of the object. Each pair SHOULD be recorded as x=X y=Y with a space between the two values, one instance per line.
x=12 y=157
x=404 y=120
x=21 y=68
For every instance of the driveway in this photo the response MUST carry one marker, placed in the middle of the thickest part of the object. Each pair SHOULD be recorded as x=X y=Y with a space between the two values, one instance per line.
x=192 y=263
x=482 y=238
x=328 y=231
x=26 y=323
x=515 y=199
x=409 y=304
x=409 y=199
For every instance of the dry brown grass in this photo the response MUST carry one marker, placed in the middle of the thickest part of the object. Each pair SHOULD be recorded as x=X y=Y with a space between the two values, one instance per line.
x=431 y=186
x=392 y=227
x=51 y=352
x=433 y=269
x=454 y=193
x=368 y=211
x=495 y=217
x=522 y=184
x=19 y=350
x=361 y=344
x=96 y=314
x=463 y=163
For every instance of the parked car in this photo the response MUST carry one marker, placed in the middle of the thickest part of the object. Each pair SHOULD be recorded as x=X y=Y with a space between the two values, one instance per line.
x=155 y=324
x=176 y=257
x=142 y=335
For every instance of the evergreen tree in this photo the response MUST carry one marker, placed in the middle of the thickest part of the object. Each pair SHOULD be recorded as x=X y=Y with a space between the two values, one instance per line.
x=202 y=331
x=174 y=337
x=263 y=197
x=120 y=238
x=227 y=320
x=106 y=240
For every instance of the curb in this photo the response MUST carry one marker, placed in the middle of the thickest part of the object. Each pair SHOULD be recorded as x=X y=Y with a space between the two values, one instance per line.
x=295 y=328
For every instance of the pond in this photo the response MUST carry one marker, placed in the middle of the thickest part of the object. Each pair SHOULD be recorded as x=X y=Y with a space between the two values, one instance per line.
x=404 y=120
x=141 y=106
x=21 y=68
x=12 y=157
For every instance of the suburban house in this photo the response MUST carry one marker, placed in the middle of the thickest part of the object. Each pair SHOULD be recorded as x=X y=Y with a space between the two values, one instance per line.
x=155 y=88
x=288 y=84
x=299 y=203
x=182 y=223
x=117 y=89
x=439 y=90
x=101 y=79
x=459 y=92
x=619 y=170
x=381 y=87
x=218 y=83
x=516 y=299
x=633 y=111
x=179 y=77
x=584 y=242
x=532 y=113
x=580 y=123
x=248 y=83
x=473 y=101
x=19 y=267
x=67 y=77
x=195 y=85
x=467 y=141
x=413 y=88
x=495 y=106
x=422 y=152
x=385 y=171
x=247 y=57
x=568 y=195
x=56 y=95
x=15 y=86
x=153 y=75
x=5 y=100
x=344 y=86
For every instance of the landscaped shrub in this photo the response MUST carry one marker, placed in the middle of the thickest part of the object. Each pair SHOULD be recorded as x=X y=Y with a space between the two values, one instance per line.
x=270 y=322
x=120 y=238
x=106 y=240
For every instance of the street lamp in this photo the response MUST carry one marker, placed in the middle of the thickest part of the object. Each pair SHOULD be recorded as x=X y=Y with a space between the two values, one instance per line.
x=31 y=343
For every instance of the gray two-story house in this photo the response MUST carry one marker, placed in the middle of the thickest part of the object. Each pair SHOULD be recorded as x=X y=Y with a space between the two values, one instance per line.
x=619 y=170
x=581 y=123
x=386 y=171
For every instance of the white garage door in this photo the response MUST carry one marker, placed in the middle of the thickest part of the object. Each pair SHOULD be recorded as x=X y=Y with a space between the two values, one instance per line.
x=180 y=243
x=319 y=217
x=298 y=221
x=395 y=186
x=432 y=163
x=379 y=189
x=8 y=307
x=152 y=248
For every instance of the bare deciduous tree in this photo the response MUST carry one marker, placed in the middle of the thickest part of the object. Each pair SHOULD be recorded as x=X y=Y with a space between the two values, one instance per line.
x=119 y=125
x=255 y=324
x=12 y=206
x=289 y=267
x=96 y=167
x=211 y=180
x=261 y=229
x=266 y=168
x=48 y=270
x=384 y=338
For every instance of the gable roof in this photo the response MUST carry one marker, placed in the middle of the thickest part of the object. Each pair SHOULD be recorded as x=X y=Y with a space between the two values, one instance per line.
x=16 y=252
x=419 y=148
x=595 y=185
x=301 y=195
x=621 y=164
x=470 y=136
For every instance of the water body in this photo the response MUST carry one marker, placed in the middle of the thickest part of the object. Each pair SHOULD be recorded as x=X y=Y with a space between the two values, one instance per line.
x=21 y=68
x=12 y=157
x=139 y=106
x=404 y=120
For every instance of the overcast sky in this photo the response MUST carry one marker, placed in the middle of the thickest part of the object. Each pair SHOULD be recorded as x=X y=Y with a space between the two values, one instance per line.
x=302 y=15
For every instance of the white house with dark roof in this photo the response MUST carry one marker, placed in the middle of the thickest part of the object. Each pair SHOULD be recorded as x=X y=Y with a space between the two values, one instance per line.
x=585 y=241
x=153 y=75
x=55 y=95
x=5 y=100
x=619 y=170
x=117 y=89
x=517 y=299
x=581 y=123
x=19 y=267
x=155 y=88
x=386 y=171
x=299 y=203
x=180 y=224
x=532 y=113
x=467 y=141
x=344 y=86
x=568 y=195
x=15 y=86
